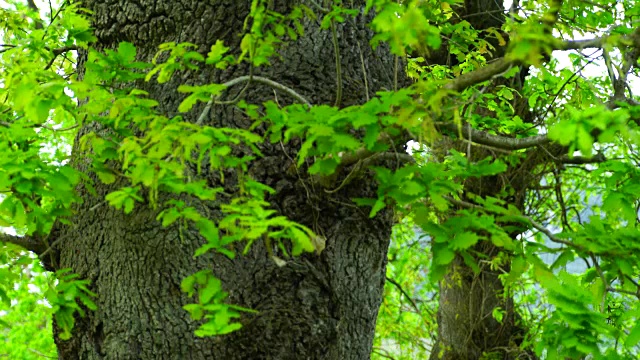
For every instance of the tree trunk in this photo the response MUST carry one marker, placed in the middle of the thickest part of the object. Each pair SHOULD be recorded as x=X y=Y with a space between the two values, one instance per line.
x=467 y=328
x=316 y=306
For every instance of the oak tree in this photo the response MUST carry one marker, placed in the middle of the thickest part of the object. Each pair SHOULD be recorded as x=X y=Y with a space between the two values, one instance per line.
x=220 y=179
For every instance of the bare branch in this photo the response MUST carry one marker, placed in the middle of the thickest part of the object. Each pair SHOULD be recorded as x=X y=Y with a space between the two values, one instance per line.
x=482 y=74
x=349 y=159
x=59 y=51
x=319 y=7
x=271 y=83
x=7 y=47
x=249 y=78
x=497 y=141
x=581 y=44
x=581 y=160
x=55 y=16
x=406 y=295
x=27 y=242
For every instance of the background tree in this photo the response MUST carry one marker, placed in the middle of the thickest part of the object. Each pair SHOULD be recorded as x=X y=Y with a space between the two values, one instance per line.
x=267 y=138
x=314 y=306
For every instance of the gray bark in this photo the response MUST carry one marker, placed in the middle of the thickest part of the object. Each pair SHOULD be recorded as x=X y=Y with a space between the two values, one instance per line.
x=315 y=307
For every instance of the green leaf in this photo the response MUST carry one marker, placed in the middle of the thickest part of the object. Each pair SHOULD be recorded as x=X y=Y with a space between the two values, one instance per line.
x=209 y=230
x=444 y=256
x=128 y=205
x=195 y=311
x=324 y=166
x=634 y=336
x=585 y=141
x=4 y=298
x=412 y=188
x=563 y=132
x=169 y=216
x=498 y=314
x=212 y=288
x=127 y=52
x=188 y=285
x=106 y=176
x=464 y=240
x=301 y=242
x=470 y=262
x=377 y=206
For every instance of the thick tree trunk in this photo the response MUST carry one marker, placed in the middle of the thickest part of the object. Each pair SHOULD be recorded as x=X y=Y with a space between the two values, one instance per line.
x=315 y=307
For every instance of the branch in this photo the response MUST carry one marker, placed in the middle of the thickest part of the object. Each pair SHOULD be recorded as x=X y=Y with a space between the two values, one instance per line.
x=380 y=351
x=497 y=141
x=250 y=78
x=399 y=287
x=59 y=51
x=71 y=127
x=271 y=83
x=32 y=5
x=482 y=74
x=581 y=44
x=362 y=159
x=629 y=60
x=503 y=64
x=7 y=47
x=581 y=160
x=349 y=159
x=319 y=7
x=42 y=126
x=509 y=143
x=536 y=225
x=26 y=242
x=605 y=283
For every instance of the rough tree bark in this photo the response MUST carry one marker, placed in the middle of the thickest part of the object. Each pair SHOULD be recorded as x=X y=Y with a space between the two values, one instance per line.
x=315 y=307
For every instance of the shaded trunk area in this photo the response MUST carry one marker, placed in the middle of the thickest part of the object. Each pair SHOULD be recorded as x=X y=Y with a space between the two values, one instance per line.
x=467 y=328
x=316 y=306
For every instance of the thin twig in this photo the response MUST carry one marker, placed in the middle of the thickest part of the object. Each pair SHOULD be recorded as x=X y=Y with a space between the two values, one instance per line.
x=50 y=247
x=55 y=16
x=399 y=287
x=319 y=7
x=59 y=51
x=364 y=72
x=336 y=49
x=524 y=218
x=258 y=79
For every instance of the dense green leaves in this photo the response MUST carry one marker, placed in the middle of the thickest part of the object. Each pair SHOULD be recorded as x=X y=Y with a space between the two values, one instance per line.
x=25 y=316
x=210 y=304
x=582 y=207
